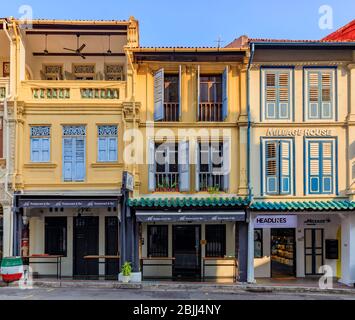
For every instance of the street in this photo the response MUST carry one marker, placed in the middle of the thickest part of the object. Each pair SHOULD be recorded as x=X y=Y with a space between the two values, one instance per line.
x=9 y=293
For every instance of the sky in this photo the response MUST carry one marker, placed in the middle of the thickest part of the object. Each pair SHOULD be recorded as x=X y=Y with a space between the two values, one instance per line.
x=201 y=22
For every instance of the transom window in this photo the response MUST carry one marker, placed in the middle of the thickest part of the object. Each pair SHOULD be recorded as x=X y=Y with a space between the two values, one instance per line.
x=40 y=143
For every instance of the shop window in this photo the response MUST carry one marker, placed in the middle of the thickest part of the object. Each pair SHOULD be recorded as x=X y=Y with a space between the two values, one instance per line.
x=40 y=144
x=107 y=143
x=56 y=235
x=258 y=243
x=216 y=240
x=158 y=241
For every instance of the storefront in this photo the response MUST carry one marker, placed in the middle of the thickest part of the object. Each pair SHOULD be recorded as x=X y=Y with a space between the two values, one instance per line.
x=72 y=228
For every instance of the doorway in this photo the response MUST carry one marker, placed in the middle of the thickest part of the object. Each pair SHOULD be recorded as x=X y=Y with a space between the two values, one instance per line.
x=86 y=242
x=283 y=253
x=111 y=247
x=313 y=250
x=187 y=252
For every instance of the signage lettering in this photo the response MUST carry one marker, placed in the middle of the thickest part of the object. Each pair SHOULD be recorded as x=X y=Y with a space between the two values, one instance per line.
x=299 y=132
x=275 y=221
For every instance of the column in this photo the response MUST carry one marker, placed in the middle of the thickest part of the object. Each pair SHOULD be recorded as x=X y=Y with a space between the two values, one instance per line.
x=8 y=230
x=251 y=250
x=348 y=249
x=243 y=251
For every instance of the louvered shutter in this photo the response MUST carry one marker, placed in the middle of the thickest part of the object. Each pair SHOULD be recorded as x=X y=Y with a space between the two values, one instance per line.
x=159 y=95
x=326 y=95
x=271 y=166
x=270 y=95
x=151 y=165
x=102 y=149
x=225 y=94
x=313 y=95
x=197 y=166
x=79 y=159
x=198 y=92
x=112 y=149
x=180 y=90
x=226 y=164
x=285 y=169
x=35 y=150
x=327 y=167
x=68 y=158
x=184 y=166
x=314 y=167
x=45 y=150
x=283 y=95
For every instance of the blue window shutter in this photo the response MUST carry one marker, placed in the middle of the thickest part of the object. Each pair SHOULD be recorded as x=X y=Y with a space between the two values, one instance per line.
x=151 y=165
x=79 y=159
x=198 y=92
x=326 y=94
x=314 y=159
x=68 y=158
x=225 y=94
x=314 y=91
x=102 y=145
x=226 y=164
x=35 y=149
x=285 y=167
x=327 y=166
x=159 y=95
x=283 y=95
x=180 y=90
x=45 y=150
x=271 y=166
x=184 y=166
x=112 y=147
x=197 y=166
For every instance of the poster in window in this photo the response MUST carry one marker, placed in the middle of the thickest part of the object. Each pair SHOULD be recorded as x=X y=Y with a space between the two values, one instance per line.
x=258 y=243
x=6 y=69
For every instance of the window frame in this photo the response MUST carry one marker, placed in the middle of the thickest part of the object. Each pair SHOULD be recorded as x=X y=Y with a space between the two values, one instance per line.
x=214 y=232
x=40 y=138
x=107 y=139
x=333 y=93
x=56 y=225
x=164 y=243
x=264 y=70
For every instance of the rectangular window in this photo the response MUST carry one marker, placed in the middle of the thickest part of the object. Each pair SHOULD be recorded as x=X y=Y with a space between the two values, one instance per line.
x=320 y=93
x=258 y=243
x=107 y=143
x=216 y=240
x=277 y=101
x=56 y=235
x=321 y=167
x=40 y=143
x=277 y=166
x=114 y=72
x=74 y=159
x=158 y=241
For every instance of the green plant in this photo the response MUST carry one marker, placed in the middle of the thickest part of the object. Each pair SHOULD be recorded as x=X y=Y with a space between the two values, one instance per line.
x=126 y=269
x=214 y=189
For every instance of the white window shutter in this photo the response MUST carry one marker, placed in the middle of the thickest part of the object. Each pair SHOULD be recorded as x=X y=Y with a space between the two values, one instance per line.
x=226 y=164
x=151 y=165
x=184 y=166
x=159 y=95
x=225 y=94
x=197 y=166
x=198 y=92
x=285 y=169
x=180 y=90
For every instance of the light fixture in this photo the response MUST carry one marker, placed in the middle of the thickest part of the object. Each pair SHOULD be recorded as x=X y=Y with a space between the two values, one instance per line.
x=109 y=52
x=46 y=49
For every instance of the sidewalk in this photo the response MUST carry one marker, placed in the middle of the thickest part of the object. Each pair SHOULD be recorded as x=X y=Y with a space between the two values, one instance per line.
x=300 y=285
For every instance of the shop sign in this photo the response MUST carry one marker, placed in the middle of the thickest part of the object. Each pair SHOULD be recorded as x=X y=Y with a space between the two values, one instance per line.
x=275 y=221
x=51 y=203
x=312 y=222
x=298 y=132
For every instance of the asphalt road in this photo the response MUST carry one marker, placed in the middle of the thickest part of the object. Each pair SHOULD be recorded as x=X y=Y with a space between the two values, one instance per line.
x=10 y=293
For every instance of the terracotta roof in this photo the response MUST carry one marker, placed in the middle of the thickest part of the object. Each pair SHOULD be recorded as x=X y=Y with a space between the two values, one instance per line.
x=345 y=33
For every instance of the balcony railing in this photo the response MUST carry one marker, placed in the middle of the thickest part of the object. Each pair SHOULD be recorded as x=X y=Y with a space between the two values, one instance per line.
x=73 y=90
x=167 y=181
x=171 y=111
x=210 y=111
x=210 y=182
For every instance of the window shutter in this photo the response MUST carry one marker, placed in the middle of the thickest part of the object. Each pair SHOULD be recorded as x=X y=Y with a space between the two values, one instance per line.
x=270 y=94
x=45 y=149
x=314 y=167
x=180 y=90
x=313 y=94
x=35 y=150
x=197 y=166
x=326 y=95
x=225 y=94
x=226 y=164
x=79 y=159
x=271 y=166
x=67 y=158
x=283 y=94
x=285 y=169
x=102 y=149
x=198 y=93
x=327 y=167
x=112 y=147
x=151 y=165
x=184 y=166
x=159 y=95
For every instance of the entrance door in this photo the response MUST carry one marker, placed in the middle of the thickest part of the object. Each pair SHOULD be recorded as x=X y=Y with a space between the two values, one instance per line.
x=187 y=252
x=86 y=242
x=283 y=253
x=111 y=247
x=313 y=250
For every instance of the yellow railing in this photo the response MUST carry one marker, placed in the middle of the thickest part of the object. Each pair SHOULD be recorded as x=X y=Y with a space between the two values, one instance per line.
x=73 y=90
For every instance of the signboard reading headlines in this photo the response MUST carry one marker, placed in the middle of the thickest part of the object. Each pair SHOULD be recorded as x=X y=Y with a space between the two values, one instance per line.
x=275 y=221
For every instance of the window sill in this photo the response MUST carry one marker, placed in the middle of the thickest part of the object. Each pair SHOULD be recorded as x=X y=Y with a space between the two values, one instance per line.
x=41 y=165
x=106 y=165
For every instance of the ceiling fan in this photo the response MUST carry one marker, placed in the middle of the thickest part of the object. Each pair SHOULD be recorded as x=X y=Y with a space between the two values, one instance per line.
x=78 y=50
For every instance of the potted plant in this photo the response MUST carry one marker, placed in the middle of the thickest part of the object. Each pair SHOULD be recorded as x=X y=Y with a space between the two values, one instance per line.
x=126 y=272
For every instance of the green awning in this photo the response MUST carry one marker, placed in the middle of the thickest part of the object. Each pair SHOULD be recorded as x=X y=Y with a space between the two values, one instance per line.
x=321 y=205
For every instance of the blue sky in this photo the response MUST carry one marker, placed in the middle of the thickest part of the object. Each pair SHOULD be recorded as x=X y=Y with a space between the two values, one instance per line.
x=199 y=22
